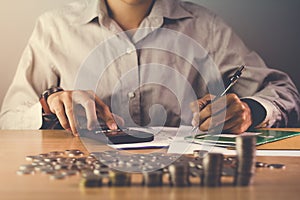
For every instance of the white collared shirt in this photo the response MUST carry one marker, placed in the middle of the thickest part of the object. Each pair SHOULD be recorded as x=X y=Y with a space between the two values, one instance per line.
x=180 y=52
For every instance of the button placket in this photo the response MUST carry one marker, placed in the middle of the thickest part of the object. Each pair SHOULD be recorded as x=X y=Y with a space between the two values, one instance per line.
x=129 y=68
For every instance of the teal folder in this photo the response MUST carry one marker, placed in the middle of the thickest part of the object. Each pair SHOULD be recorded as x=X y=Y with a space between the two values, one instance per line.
x=228 y=140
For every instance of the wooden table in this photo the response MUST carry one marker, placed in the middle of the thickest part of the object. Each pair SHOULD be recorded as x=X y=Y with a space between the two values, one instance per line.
x=15 y=145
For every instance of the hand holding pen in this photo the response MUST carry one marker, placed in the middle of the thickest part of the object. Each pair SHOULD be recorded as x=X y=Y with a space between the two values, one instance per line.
x=228 y=111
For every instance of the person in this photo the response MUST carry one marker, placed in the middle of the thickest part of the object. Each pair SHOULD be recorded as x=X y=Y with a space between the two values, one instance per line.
x=65 y=38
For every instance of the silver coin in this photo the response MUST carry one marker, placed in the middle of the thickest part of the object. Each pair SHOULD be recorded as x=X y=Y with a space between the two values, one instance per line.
x=71 y=172
x=58 y=176
x=276 y=166
x=26 y=167
x=56 y=153
x=25 y=172
x=34 y=158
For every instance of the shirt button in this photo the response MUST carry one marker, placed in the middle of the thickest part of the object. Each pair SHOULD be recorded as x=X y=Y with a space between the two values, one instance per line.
x=131 y=95
x=129 y=50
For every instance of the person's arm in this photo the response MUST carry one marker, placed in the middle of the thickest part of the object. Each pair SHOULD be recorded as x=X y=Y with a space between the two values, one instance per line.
x=262 y=97
x=21 y=108
x=36 y=73
x=259 y=86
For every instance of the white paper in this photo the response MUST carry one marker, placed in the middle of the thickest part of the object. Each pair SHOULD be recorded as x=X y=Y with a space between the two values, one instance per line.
x=176 y=147
x=174 y=139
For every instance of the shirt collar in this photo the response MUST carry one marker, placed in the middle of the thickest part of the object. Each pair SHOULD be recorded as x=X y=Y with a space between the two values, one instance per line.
x=170 y=9
x=93 y=9
x=161 y=8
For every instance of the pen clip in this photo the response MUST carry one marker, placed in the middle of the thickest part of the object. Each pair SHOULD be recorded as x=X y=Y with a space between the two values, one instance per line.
x=237 y=74
x=233 y=79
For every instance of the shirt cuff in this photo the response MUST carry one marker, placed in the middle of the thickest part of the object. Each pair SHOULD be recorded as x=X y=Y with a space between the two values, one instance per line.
x=272 y=113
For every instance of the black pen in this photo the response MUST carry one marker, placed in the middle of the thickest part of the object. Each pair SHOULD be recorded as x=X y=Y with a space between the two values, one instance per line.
x=232 y=80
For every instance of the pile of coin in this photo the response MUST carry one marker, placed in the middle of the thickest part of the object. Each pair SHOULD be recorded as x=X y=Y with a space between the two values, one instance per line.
x=115 y=168
x=91 y=180
x=57 y=164
x=179 y=174
x=119 y=178
x=153 y=179
x=246 y=159
x=212 y=166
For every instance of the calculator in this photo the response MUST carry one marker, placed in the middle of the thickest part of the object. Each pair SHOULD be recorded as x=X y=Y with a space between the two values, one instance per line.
x=119 y=136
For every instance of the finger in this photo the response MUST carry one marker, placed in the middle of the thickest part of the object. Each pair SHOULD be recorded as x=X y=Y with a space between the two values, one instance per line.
x=109 y=119
x=235 y=126
x=212 y=109
x=238 y=123
x=56 y=104
x=207 y=113
x=227 y=116
x=222 y=126
x=59 y=111
x=91 y=114
x=237 y=112
x=198 y=105
x=238 y=129
x=105 y=114
x=68 y=106
x=88 y=103
x=237 y=119
x=229 y=103
x=216 y=120
x=205 y=101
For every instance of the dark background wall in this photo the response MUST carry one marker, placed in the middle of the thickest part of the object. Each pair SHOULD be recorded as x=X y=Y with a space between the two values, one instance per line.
x=269 y=27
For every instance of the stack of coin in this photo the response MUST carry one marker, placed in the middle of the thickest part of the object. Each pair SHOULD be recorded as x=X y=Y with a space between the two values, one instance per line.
x=246 y=160
x=119 y=178
x=153 y=179
x=212 y=169
x=91 y=180
x=179 y=174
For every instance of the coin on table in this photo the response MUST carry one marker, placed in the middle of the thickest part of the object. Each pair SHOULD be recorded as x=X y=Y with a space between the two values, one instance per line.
x=56 y=153
x=26 y=167
x=74 y=153
x=25 y=172
x=34 y=158
x=276 y=166
x=58 y=176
